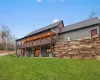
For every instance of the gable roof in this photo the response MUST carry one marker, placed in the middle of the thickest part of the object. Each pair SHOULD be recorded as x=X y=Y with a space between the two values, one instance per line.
x=42 y=29
x=82 y=24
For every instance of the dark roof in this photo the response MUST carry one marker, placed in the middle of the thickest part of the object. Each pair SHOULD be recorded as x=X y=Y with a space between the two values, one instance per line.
x=82 y=24
x=42 y=29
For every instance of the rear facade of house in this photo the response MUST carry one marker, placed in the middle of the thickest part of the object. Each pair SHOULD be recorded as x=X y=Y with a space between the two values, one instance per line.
x=40 y=43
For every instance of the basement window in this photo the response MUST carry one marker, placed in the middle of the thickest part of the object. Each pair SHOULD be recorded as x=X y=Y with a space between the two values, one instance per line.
x=49 y=50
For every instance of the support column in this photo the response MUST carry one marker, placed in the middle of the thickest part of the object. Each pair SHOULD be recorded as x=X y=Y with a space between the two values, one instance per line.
x=25 y=53
x=40 y=54
x=33 y=50
x=32 y=53
x=21 y=53
x=50 y=54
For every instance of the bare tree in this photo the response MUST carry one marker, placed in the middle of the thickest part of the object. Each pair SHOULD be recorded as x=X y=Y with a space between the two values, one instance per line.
x=93 y=13
x=8 y=40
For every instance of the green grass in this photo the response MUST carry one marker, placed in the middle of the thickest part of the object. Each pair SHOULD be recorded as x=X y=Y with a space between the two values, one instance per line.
x=13 y=68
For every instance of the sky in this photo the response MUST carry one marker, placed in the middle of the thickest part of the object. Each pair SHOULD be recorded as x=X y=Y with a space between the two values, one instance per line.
x=21 y=16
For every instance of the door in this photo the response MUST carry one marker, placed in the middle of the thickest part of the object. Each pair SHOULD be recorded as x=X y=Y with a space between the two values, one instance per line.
x=36 y=54
x=93 y=32
x=29 y=52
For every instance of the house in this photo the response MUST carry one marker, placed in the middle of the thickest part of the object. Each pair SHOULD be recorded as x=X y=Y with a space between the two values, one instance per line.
x=42 y=41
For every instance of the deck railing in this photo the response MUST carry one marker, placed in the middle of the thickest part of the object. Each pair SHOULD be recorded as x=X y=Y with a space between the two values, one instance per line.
x=37 y=43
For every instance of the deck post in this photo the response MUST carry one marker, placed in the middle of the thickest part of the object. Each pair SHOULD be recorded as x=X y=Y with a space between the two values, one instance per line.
x=50 y=54
x=21 y=53
x=40 y=54
x=25 y=52
x=32 y=52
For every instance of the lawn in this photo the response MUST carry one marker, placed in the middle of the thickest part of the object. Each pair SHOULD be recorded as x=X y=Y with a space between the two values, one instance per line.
x=13 y=68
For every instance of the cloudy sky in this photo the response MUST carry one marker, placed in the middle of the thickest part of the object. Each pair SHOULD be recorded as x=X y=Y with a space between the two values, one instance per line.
x=22 y=15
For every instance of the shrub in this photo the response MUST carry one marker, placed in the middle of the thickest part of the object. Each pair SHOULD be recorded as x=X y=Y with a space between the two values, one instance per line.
x=12 y=55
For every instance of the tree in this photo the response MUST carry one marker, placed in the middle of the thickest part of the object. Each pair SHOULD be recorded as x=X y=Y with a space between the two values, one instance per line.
x=8 y=40
x=93 y=13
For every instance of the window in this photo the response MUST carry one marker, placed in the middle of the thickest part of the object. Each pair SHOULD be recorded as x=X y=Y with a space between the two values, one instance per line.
x=49 y=50
x=93 y=32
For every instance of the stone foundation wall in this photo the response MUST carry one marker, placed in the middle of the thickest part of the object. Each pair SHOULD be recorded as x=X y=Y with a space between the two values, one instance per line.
x=88 y=48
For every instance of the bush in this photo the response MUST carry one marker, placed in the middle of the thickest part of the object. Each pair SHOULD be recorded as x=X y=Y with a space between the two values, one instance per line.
x=12 y=55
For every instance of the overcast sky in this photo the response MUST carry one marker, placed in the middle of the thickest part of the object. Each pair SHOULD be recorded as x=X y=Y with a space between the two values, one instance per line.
x=22 y=15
